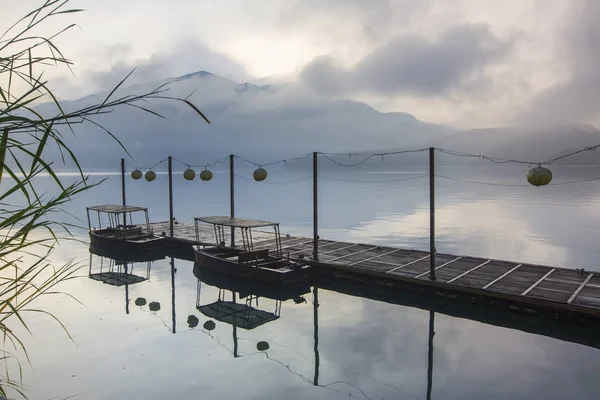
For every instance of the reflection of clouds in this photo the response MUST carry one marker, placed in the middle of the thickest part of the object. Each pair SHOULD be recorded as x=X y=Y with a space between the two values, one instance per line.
x=483 y=228
x=471 y=360
x=374 y=340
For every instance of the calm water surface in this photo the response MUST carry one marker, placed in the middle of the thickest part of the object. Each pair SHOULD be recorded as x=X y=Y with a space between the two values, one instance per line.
x=366 y=349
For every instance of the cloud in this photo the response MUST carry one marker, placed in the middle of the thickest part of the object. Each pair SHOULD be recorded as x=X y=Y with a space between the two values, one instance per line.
x=410 y=64
x=184 y=57
x=576 y=98
x=371 y=20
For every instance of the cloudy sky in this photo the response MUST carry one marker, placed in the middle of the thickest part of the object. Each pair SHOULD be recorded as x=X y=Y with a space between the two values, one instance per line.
x=470 y=64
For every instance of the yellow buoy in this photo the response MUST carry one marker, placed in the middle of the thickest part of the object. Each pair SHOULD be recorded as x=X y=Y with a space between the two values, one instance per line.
x=137 y=174
x=206 y=175
x=150 y=176
x=260 y=174
x=189 y=174
x=539 y=176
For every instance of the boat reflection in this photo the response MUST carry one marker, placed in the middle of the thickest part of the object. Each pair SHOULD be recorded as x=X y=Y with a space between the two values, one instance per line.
x=245 y=313
x=119 y=273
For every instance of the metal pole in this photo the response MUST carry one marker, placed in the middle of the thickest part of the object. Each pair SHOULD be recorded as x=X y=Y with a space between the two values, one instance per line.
x=123 y=190
x=315 y=209
x=316 y=333
x=432 y=213
x=231 y=196
x=171 y=195
x=430 y=354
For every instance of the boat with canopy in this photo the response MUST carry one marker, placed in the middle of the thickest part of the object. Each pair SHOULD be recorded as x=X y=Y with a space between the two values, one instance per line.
x=257 y=262
x=119 y=229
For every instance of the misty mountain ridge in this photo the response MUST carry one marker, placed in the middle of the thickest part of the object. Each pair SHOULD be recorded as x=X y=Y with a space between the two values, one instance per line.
x=267 y=123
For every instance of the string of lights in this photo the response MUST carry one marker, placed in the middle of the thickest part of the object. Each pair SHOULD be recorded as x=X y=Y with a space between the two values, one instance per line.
x=152 y=167
x=302 y=157
x=205 y=166
x=515 y=184
x=367 y=156
x=382 y=155
x=537 y=176
x=373 y=181
x=499 y=160
x=276 y=183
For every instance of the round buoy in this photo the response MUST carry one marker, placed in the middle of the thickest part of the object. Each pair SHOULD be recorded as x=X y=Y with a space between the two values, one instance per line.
x=539 y=176
x=154 y=306
x=209 y=325
x=150 y=176
x=260 y=174
x=140 y=301
x=189 y=174
x=206 y=175
x=192 y=321
x=137 y=174
x=262 y=346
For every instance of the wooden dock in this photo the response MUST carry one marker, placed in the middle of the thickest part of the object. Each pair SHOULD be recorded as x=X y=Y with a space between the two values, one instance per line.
x=185 y=232
x=528 y=287
x=560 y=293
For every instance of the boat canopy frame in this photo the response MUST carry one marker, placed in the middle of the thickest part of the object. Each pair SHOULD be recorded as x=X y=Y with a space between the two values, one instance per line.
x=117 y=214
x=244 y=224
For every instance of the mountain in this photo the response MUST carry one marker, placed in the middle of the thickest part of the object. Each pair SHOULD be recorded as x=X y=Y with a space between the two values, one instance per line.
x=537 y=143
x=530 y=144
x=258 y=122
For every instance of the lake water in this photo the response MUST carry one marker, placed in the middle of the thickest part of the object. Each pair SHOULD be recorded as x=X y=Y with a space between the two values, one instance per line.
x=366 y=349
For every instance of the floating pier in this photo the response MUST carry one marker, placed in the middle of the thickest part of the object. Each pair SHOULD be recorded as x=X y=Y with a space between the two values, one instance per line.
x=558 y=293
x=554 y=292
x=522 y=287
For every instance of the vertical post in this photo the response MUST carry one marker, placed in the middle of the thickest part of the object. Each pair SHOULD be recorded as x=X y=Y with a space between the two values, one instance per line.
x=171 y=195
x=123 y=190
x=316 y=333
x=432 y=213
x=430 y=354
x=231 y=196
x=315 y=209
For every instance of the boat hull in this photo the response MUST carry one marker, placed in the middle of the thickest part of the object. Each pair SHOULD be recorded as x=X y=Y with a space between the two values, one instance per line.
x=246 y=287
x=107 y=244
x=206 y=260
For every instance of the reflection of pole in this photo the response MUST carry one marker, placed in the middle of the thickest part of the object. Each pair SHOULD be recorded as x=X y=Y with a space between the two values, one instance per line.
x=123 y=190
x=231 y=196
x=173 y=291
x=235 y=339
x=316 y=324
x=430 y=357
x=126 y=293
x=171 y=195
x=315 y=208
x=432 y=213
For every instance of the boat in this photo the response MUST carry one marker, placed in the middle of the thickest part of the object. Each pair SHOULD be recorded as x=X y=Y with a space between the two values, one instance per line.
x=247 y=287
x=258 y=264
x=120 y=235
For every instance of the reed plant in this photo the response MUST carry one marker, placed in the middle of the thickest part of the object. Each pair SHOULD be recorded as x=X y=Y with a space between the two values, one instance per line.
x=29 y=231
